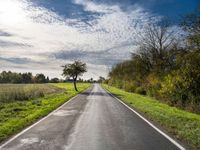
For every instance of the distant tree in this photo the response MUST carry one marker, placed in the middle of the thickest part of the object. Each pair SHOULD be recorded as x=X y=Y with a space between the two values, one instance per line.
x=91 y=80
x=14 y=77
x=101 y=79
x=74 y=70
x=47 y=80
x=80 y=80
x=27 y=77
x=40 y=78
x=5 y=77
x=54 y=80
x=10 y=77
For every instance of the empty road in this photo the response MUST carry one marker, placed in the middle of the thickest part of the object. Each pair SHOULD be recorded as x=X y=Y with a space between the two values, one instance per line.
x=93 y=120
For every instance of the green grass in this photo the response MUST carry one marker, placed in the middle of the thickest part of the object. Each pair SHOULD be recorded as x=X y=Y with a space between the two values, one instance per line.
x=15 y=115
x=183 y=125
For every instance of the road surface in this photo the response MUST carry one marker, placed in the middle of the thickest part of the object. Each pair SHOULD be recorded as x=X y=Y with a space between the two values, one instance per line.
x=93 y=120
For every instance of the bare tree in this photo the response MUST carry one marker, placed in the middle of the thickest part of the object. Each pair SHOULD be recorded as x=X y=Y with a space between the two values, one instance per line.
x=155 y=42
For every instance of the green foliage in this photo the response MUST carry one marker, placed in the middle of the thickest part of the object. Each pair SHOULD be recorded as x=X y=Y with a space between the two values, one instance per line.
x=13 y=77
x=130 y=86
x=183 y=85
x=40 y=78
x=101 y=79
x=174 y=87
x=152 y=84
x=74 y=70
x=116 y=82
x=182 y=124
x=54 y=80
x=140 y=90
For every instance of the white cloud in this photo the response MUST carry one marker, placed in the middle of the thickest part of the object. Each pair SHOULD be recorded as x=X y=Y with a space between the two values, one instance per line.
x=94 y=7
x=43 y=32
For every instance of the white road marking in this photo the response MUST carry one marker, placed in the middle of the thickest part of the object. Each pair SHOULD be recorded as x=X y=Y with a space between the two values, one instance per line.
x=153 y=126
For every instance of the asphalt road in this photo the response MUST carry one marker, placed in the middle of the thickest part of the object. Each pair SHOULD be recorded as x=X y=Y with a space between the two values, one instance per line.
x=94 y=120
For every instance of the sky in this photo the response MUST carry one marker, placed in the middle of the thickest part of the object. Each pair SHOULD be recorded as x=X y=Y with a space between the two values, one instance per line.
x=40 y=36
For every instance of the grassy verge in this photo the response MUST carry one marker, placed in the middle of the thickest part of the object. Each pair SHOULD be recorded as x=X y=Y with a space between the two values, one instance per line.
x=184 y=125
x=15 y=115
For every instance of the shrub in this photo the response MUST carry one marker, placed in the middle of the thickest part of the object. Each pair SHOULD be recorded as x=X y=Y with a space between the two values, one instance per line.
x=129 y=86
x=140 y=90
x=116 y=82
x=153 y=85
x=182 y=87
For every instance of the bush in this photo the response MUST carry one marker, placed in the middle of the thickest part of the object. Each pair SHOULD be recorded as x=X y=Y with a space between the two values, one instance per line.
x=174 y=88
x=153 y=85
x=182 y=88
x=129 y=86
x=140 y=90
x=116 y=82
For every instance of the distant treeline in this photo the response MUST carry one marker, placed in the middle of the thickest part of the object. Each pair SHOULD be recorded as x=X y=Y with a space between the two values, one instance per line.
x=166 y=64
x=13 y=77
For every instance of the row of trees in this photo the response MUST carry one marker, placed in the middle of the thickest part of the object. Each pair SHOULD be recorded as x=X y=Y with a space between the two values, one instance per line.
x=166 y=64
x=13 y=77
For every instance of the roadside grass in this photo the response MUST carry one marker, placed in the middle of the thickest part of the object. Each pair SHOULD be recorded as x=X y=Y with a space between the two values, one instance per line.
x=185 y=126
x=18 y=114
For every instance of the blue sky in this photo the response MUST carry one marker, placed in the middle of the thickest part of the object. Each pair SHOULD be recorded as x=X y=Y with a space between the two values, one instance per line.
x=41 y=35
x=172 y=9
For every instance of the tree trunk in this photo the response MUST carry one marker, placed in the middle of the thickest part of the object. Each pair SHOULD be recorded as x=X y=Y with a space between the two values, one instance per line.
x=75 y=85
